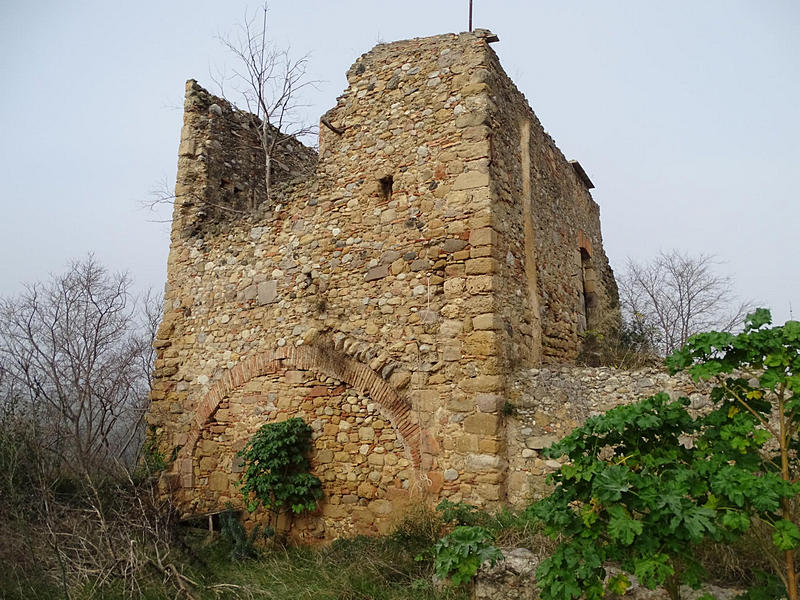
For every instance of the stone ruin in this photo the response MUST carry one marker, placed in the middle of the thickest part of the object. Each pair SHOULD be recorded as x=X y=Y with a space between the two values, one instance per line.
x=390 y=293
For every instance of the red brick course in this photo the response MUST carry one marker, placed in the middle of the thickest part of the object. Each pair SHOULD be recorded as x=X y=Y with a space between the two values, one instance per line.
x=328 y=362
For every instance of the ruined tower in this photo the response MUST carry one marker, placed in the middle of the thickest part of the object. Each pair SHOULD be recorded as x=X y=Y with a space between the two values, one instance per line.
x=387 y=293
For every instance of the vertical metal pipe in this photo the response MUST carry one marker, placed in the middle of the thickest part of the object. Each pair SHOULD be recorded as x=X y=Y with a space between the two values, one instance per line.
x=470 y=15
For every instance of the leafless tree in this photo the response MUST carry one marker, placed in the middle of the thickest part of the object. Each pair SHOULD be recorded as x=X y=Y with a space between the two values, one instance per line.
x=77 y=361
x=267 y=82
x=76 y=511
x=677 y=295
x=122 y=535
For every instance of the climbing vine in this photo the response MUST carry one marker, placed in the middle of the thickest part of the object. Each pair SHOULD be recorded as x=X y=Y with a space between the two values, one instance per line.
x=276 y=469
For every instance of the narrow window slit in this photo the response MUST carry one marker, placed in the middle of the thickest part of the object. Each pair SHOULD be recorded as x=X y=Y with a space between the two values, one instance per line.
x=386 y=186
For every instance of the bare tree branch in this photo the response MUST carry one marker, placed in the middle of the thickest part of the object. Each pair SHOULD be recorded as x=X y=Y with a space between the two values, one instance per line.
x=677 y=295
x=78 y=360
x=163 y=195
x=267 y=82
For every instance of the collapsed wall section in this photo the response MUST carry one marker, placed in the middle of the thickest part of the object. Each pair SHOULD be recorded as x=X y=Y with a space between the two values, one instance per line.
x=222 y=164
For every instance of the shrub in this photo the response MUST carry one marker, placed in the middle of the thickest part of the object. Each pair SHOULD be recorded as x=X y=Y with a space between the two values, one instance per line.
x=276 y=469
x=631 y=492
x=418 y=529
x=751 y=437
x=241 y=543
x=623 y=346
x=462 y=513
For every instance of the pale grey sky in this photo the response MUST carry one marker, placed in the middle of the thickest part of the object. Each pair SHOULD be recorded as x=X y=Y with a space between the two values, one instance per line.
x=683 y=113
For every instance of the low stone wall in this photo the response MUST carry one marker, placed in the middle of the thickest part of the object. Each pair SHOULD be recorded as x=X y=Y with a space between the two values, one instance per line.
x=550 y=402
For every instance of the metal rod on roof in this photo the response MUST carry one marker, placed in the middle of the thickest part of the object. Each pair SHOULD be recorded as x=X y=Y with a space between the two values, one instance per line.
x=470 y=15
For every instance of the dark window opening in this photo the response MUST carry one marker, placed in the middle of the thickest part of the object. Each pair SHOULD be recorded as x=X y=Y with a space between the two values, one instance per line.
x=210 y=520
x=386 y=186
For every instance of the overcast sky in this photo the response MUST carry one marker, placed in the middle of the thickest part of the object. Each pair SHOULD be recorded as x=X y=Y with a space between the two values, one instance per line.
x=683 y=113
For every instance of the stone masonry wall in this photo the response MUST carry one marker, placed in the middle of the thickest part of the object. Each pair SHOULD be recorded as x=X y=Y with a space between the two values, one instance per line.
x=389 y=295
x=419 y=248
x=551 y=401
x=221 y=164
x=357 y=454
x=542 y=200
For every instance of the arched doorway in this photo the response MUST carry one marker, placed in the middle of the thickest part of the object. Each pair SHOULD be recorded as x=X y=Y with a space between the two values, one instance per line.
x=367 y=445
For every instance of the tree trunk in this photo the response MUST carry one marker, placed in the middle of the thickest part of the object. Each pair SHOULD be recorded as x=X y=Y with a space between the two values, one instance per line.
x=267 y=174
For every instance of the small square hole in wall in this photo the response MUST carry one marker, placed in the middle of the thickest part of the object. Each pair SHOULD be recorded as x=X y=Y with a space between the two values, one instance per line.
x=386 y=186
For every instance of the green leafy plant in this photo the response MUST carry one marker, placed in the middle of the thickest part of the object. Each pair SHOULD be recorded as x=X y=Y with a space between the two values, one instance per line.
x=276 y=469
x=152 y=460
x=508 y=409
x=458 y=555
x=629 y=494
x=767 y=587
x=753 y=431
x=635 y=491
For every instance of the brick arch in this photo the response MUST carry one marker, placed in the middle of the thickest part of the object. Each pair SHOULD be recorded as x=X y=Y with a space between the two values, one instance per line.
x=310 y=358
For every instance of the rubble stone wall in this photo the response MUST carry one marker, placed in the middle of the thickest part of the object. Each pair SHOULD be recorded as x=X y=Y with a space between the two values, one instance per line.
x=359 y=457
x=550 y=402
x=404 y=281
x=556 y=225
x=221 y=164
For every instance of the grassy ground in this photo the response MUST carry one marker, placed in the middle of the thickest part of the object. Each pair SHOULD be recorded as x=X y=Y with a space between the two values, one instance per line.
x=368 y=569
x=354 y=569
x=395 y=567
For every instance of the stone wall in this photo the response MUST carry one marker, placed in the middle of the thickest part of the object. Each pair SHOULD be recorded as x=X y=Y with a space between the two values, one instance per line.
x=424 y=260
x=364 y=466
x=551 y=401
x=221 y=164
x=540 y=197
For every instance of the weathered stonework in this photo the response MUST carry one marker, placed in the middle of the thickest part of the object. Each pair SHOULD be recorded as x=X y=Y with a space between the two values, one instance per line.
x=387 y=292
x=550 y=402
